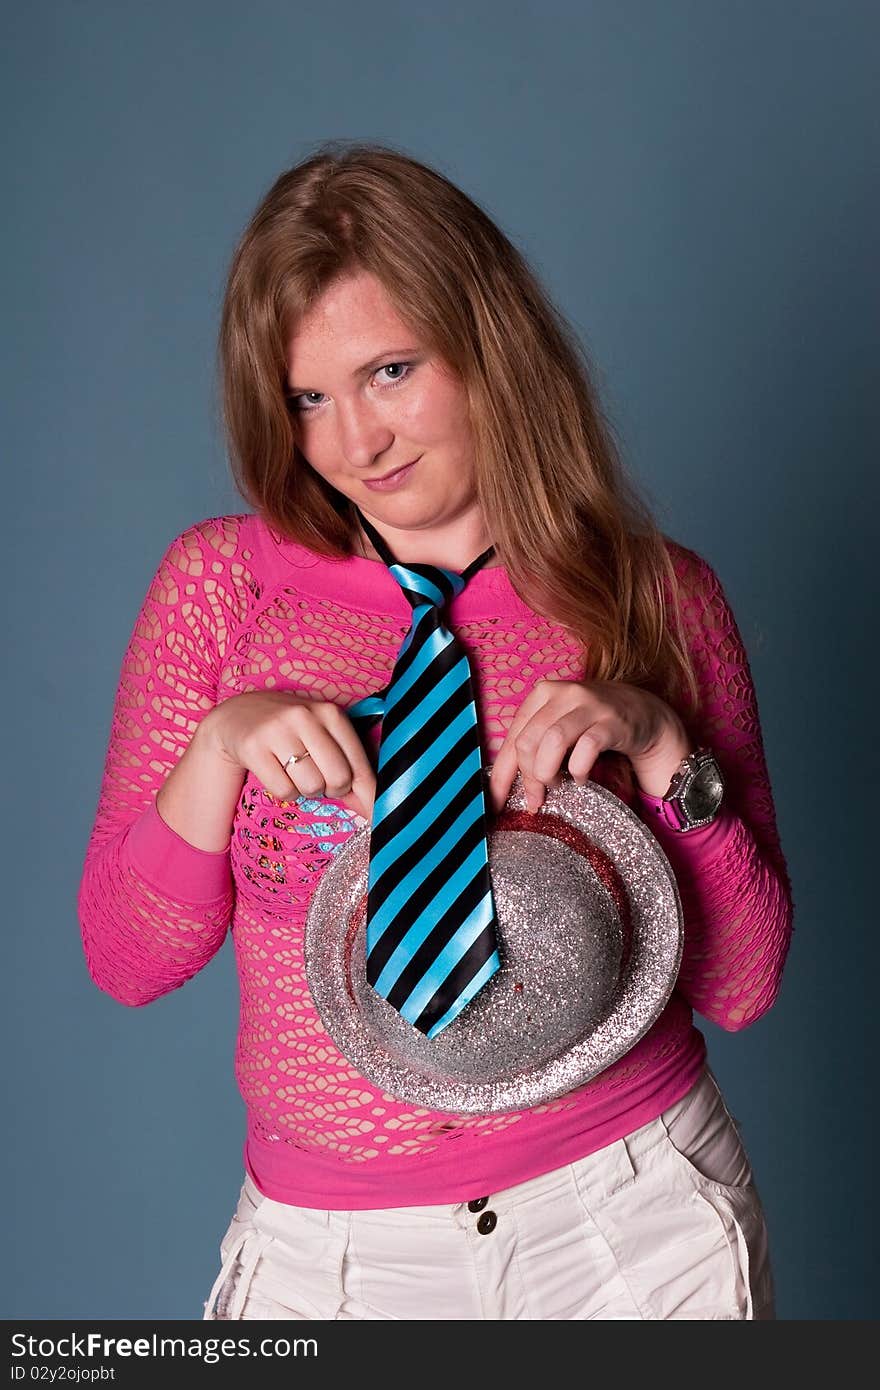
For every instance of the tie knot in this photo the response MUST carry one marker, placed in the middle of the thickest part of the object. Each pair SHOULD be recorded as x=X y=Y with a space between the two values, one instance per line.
x=429 y=584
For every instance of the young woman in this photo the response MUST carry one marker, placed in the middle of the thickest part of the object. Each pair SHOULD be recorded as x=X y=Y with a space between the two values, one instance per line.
x=393 y=371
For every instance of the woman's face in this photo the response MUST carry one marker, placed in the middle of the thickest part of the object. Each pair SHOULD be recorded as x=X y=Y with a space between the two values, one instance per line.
x=366 y=399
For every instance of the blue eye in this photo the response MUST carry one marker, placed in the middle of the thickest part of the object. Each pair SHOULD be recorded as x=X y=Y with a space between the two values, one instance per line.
x=389 y=365
x=305 y=395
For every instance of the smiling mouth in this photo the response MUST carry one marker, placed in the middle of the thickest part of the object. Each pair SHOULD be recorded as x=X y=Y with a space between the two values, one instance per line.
x=393 y=472
x=390 y=482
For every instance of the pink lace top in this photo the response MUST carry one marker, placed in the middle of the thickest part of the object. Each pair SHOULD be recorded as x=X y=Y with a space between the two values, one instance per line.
x=232 y=608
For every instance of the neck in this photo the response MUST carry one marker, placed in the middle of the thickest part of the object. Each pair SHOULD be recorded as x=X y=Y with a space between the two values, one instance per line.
x=453 y=550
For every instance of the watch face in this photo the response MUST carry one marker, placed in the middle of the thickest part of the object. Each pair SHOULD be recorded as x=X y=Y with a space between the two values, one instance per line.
x=703 y=796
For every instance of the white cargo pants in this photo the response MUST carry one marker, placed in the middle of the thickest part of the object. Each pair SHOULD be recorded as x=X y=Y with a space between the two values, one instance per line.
x=665 y=1223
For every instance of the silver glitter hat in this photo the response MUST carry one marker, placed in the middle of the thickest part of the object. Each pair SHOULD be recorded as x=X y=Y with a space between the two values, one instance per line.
x=590 y=937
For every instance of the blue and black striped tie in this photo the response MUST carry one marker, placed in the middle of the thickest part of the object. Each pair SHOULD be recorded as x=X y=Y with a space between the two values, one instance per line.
x=431 y=922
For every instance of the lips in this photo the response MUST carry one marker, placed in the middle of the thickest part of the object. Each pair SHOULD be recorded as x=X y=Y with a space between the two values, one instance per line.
x=394 y=472
x=393 y=479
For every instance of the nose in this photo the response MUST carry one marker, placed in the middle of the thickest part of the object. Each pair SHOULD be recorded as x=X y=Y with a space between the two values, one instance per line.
x=362 y=434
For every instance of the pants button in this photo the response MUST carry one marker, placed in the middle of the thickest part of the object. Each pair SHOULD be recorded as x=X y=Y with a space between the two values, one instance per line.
x=487 y=1223
x=477 y=1204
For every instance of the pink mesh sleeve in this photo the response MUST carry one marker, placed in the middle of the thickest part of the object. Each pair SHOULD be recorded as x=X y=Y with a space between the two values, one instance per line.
x=153 y=908
x=734 y=883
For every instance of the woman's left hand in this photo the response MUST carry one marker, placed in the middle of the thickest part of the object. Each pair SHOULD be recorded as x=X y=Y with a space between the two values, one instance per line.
x=582 y=719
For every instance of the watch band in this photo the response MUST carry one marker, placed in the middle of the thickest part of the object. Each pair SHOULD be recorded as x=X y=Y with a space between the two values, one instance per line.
x=672 y=814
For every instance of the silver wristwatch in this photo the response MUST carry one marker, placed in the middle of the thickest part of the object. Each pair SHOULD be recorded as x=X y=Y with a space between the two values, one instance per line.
x=695 y=793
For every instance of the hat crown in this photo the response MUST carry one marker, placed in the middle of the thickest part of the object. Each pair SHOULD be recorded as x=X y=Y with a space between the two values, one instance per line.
x=561 y=941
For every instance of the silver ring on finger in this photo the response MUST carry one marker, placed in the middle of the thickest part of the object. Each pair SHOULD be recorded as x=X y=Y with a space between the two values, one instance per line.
x=294 y=759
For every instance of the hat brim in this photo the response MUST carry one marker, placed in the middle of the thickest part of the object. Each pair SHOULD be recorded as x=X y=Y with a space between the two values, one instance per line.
x=481 y=1063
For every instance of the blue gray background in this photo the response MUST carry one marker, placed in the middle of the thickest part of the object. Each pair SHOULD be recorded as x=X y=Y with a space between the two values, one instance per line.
x=692 y=182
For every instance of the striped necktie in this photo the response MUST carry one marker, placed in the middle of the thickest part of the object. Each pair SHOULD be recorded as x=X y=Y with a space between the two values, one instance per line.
x=431 y=924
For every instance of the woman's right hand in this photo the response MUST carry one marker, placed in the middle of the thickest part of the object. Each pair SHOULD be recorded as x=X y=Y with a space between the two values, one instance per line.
x=258 y=731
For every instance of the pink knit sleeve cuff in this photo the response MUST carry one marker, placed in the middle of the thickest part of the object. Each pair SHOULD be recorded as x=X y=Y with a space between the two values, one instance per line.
x=174 y=866
x=691 y=849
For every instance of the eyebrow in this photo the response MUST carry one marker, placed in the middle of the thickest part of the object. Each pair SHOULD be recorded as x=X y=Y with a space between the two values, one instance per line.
x=394 y=355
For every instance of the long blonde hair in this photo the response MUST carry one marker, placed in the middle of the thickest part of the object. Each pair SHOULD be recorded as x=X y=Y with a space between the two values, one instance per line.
x=578 y=543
